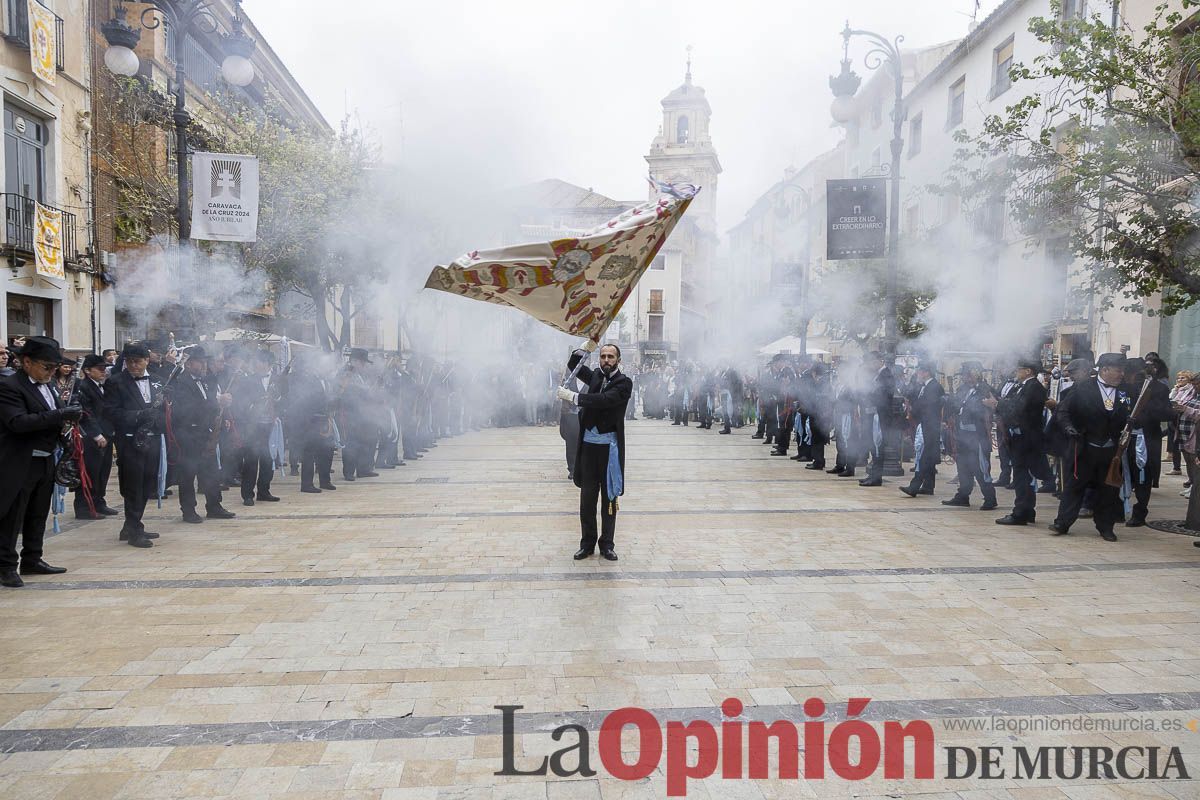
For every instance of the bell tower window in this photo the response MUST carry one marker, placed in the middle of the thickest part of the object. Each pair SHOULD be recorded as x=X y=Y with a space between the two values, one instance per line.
x=681 y=130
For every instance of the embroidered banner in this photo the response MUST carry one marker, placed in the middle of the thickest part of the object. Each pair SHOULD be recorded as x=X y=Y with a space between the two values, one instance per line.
x=573 y=285
x=47 y=242
x=43 y=43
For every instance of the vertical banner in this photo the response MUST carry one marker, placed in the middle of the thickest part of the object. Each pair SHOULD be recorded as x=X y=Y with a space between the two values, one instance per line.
x=42 y=42
x=47 y=243
x=856 y=211
x=224 y=197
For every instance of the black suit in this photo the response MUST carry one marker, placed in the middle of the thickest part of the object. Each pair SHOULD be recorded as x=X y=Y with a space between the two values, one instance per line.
x=1156 y=410
x=311 y=430
x=601 y=408
x=880 y=398
x=926 y=403
x=1024 y=425
x=253 y=412
x=96 y=459
x=973 y=441
x=1094 y=432
x=28 y=423
x=194 y=412
x=137 y=467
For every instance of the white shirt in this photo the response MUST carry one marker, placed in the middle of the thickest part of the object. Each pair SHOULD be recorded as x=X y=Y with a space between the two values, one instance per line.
x=99 y=386
x=143 y=387
x=44 y=391
x=200 y=386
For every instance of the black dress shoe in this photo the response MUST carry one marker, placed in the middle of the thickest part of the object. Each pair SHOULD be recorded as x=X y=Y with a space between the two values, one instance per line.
x=310 y=490
x=908 y=491
x=756 y=436
x=1108 y=536
x=368 y=474
x=961 y=502
x=348 y=478
x=989 y=505
x=219 y=512
x=192 y=518
x=724 y=431
x=247 y=501
x=108 y=512
x=40 y=567
x=11 y=579
x=124 y=535
x=779 y=452
x=608 y=555
x=86 y=515
x=1011 y=520
x=815 y=467
x=870 y=482
x=1136 y=522
x=797 y=457
x=329 y=487
x=139 y=541
x=582 y=553
x=268 y=498
x=846 y=473
x=835 y=471
x=1058 y=530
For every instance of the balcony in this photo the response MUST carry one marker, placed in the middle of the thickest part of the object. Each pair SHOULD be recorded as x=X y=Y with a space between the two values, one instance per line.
x=19 y=216
x=17 y=32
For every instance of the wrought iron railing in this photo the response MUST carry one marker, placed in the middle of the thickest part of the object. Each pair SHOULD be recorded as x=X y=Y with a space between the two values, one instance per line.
x=17 y=30
x=20 y=214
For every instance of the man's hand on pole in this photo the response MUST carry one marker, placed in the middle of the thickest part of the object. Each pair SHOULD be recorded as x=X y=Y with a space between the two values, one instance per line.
x=564 y=393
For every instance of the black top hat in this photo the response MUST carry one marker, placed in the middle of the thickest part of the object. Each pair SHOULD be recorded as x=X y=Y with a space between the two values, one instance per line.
x=135 y=350
x=196 y=352
x=1134 y=365
x=93 y=360
x=1111 y=360
x=970 y=366
x=1030 y=363
x=1078 y=365
x=359 y=354
x=41 y=348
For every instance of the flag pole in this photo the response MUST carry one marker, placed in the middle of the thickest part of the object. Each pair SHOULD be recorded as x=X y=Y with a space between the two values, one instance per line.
x=589 y=345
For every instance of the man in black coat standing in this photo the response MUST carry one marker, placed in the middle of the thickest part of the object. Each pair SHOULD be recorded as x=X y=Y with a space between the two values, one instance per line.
x=1021 y=412
x=97 y=438
x=195 y=408
x=925 y=406
x=1092 y=418
x=1145 y=466
x=878 y=405
x=31 y=420
x=599 y=472
x=133 y=402
x=972 y=438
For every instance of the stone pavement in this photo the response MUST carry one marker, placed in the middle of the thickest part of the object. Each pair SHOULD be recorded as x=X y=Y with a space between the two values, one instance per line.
x=355 y=645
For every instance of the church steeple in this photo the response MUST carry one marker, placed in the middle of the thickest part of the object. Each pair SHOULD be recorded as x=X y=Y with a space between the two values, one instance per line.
x=683 y=150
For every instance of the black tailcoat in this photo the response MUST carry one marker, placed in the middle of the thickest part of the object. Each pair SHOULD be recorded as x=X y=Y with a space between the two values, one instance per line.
x=602 y=406
x=26 y=424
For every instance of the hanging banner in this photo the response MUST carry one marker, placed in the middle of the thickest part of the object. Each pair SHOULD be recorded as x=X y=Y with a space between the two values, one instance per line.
x=43 y=51
x=47 y=242
x=224 y=197
x=856 y=211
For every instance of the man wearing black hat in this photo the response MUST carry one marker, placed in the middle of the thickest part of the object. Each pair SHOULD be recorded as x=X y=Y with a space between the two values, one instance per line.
x=1021 y=413
x=195 y=407
x=878 y=408
x=1092 y=418
x=133 y=402
x=361 y=434
x=31 y=420
x=926 y=400
x=1144 y=456
x=254 y=413
x=972 y=422
x=98 y=437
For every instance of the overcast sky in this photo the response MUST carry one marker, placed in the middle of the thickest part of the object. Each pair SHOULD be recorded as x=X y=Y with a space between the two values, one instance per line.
x=492 y=93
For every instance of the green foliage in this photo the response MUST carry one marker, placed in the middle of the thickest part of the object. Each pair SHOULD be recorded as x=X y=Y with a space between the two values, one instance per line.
x=1102 y=149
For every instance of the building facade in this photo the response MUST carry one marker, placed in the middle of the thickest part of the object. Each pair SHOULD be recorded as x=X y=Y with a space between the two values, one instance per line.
x=673 y=304
x=47 y=144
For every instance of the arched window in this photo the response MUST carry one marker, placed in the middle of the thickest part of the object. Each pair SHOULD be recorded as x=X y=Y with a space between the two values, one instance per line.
x=681 y=131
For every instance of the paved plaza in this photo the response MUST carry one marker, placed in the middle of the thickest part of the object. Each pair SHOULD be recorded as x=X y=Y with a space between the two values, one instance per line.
x=355 y=645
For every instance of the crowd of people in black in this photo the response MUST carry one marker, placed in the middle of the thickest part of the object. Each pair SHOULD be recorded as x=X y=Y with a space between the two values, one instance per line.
x=1053 y=431
x=200 y=421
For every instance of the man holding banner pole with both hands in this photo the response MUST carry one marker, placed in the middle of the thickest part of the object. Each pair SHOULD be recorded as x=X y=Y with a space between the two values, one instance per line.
x=600 y=464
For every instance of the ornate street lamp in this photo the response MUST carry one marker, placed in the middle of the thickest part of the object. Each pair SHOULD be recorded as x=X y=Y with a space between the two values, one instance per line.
x=181 y=18
x=844 y=86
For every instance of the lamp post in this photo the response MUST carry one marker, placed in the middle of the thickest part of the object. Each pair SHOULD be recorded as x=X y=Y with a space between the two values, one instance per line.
x=844 y=86
x=181 y=18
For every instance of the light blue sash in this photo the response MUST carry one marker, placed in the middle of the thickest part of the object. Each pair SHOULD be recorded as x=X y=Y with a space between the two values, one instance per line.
x=614 y=482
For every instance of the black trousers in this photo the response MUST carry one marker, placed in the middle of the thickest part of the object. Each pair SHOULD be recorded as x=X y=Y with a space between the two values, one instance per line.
x=783 y=437
x=875 y=468
x=595 y=488
x=26 y=515
x=974 y=466
x=1086 y=468
x=316 y=456
x=98 y=462
x=1004 y=456
x=196 y=469
x=931 y=456
x=137 y=474
x=257 y=467
x=358 y=457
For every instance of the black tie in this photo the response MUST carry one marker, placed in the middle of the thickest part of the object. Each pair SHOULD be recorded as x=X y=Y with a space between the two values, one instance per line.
x=143 y=378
